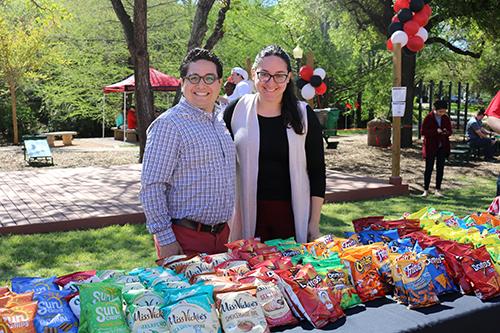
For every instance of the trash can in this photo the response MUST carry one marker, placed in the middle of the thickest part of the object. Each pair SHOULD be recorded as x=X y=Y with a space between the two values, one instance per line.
x=328 y=119
x=379 y=132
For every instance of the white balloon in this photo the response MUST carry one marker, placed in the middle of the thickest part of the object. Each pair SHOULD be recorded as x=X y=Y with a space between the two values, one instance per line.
x=320 y=72
x=422 y=33
x=308 y=92
x=399 y=37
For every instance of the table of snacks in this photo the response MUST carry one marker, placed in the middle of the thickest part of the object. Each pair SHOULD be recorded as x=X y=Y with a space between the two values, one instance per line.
x=404 y=275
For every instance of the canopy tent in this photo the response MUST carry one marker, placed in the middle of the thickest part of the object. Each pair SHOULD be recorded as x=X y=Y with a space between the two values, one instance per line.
x=158 y=80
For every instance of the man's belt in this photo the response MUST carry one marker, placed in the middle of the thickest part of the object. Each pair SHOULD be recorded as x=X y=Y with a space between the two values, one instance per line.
x=200 y=227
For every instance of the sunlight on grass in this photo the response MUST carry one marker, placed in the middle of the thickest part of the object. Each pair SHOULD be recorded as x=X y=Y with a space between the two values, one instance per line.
x=130 y=246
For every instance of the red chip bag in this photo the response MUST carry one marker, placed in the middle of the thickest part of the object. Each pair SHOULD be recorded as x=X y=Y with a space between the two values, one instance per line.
x=312 y=298
x=363 y=222
x=4 y=290
x=481 y=274
x=20 y=319
x=74 y=277
x=4 y=328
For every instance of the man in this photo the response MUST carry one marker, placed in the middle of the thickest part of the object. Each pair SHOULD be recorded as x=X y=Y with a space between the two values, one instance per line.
x=188 y=172
x=478 y=136
x=239 y=77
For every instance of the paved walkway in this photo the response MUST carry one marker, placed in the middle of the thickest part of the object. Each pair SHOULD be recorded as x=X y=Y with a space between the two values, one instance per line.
x=46 y=200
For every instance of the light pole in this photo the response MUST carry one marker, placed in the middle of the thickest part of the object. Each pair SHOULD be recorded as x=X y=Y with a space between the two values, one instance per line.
x=297 y=54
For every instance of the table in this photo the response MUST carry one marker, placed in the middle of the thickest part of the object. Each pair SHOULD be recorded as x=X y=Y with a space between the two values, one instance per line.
x=455 y=314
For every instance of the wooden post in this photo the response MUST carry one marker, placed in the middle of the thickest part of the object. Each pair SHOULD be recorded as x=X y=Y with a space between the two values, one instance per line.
x=396 y=121
x=459 y=94
x=310 y=62
x=431 y=95
x=420 y=97
x=248 y=67
x=466 y=105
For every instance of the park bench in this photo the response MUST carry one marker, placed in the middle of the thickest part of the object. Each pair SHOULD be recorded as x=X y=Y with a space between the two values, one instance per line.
x=462 y=153
x=67 y=137
x=131 y=134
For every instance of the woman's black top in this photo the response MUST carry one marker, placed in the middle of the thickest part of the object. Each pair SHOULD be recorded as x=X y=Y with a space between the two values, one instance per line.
x=274 y=172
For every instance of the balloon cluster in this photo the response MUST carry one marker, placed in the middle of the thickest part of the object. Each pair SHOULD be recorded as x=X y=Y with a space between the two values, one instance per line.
x=407 y=27
x=311 y=82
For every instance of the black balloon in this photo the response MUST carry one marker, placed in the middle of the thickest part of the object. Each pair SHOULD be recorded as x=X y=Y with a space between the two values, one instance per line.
x=405 y=15
x=393 y=27
x=408 y=52
x=416 y=5
x=316 y=81
x=301 y=83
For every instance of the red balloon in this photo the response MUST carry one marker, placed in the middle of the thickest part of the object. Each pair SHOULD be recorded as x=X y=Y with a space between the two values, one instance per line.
x=415 y=43
x=389 y=44
x=306 y=72
x=395 y=18
x=400 y=4
x=421 y=18
x=411 y=27
x=321 y=89
x=427 y=10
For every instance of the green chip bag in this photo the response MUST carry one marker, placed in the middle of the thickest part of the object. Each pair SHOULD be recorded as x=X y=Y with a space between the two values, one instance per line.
x=102 y=309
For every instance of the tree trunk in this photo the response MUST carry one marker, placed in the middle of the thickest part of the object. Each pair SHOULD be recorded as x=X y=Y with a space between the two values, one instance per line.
x=408 y=81
x=143 y=92
x=200 y=28
x=15 y=133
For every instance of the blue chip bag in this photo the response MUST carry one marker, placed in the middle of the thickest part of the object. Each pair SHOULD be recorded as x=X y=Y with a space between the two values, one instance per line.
x=54 y=312
x=36 y=284
x=442 y=283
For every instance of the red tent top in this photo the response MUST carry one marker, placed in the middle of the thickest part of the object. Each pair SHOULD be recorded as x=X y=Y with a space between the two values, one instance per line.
x=159 y=81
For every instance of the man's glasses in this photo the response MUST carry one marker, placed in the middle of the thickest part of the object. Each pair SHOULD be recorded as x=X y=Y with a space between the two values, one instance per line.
x=278 y=77
x=208 y=79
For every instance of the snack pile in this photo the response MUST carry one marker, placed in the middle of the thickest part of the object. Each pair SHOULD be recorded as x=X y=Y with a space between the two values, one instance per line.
x=256 y=286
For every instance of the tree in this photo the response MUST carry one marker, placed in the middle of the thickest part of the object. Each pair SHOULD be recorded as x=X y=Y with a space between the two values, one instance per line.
x=24 y=44
x=136 y=37
x=447 y=13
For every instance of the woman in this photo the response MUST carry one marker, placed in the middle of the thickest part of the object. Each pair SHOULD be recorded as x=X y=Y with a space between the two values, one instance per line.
x=281 y=167
x=436 y=130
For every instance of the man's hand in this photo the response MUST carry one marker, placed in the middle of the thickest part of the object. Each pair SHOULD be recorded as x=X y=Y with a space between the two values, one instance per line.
x=169 y=250
x=439 y=131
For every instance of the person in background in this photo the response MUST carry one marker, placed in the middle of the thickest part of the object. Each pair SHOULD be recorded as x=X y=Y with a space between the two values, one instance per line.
x=281 y=168
x=493 y=113
x=239 y=77
x=436 y=130
x=478 y=136
x=189 y=166
x=131 y=118
x=119 y=120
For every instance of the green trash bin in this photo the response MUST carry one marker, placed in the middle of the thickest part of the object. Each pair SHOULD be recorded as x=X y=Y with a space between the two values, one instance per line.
x=328 y=119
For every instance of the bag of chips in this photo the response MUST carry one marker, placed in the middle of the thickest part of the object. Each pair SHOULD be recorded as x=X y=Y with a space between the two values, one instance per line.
x=143 y=297
x=20 y=318
x=101 y=308
x=480 y=272
x=54 y=313
x=12 y=299
x=417 y=283
x=436 y=267
x=146 y=319
x=241 y=312
x=364 y=272
x=192 y=314
x=23 y=284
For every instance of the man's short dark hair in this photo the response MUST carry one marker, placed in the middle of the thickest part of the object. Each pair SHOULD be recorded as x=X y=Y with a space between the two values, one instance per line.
x=481 y=112
x=439 y=104
x=200 y=54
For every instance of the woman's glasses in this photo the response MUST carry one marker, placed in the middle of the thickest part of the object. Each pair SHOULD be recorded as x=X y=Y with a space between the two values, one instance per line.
x=278 y=77
x=208 y=79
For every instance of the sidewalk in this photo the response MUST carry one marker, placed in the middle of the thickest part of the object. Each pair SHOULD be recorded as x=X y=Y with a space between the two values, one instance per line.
x=47 y=200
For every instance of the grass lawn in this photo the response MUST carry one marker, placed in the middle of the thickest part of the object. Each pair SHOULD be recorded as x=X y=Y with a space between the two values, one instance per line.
x=129 y=246
x=352 y=131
